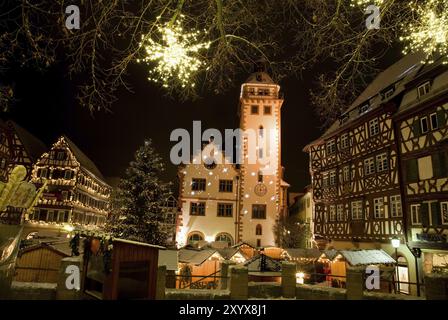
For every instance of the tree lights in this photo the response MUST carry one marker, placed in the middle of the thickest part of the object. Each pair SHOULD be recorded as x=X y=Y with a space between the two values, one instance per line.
x=366 y=3
x=175 y=55
x=429 y=32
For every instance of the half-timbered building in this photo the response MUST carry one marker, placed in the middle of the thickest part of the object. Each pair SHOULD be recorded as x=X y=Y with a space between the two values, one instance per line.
x=422 y=124
x=355 y=169
x=17 y=147
x=76 y=192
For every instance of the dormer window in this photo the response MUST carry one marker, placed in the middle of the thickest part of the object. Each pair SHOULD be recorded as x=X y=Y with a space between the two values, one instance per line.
x=364 y=108
x=343 y=119
x=424 y=89
x=388 y=93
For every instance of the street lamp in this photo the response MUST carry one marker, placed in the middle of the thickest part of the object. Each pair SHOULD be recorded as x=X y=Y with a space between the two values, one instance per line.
x=396 y=243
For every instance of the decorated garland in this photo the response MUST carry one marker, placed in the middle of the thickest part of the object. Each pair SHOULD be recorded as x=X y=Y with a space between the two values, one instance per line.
x=94 y=244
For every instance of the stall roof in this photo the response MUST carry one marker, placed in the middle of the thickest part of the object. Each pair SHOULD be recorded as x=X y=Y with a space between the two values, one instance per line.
x=138 y=243
x=228 y=253
x=304 y=253
x=168 y=258
x=330 y=254
x=195 y=256
x=254 y=264
x=366 y=257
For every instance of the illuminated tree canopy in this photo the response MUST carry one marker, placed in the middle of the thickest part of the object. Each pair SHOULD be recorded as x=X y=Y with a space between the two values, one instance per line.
x=197 y=47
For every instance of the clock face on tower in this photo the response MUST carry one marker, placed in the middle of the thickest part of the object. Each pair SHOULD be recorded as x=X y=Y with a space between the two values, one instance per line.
x=260 y=189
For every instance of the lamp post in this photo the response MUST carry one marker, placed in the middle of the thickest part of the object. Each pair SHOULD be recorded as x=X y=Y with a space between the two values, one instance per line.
x=396 y=243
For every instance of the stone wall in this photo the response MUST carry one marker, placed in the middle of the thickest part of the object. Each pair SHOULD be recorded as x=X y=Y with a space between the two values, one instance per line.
x=32 y=291
x=264 y=290
x=196 y=294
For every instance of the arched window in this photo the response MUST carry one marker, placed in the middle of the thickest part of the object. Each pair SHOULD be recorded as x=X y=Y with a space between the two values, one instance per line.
x=225 y=237
x=195 y=237
x=258 y=230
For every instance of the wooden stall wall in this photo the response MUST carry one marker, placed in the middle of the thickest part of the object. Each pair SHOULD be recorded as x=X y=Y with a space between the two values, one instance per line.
x=128 y=258
x=39 y=264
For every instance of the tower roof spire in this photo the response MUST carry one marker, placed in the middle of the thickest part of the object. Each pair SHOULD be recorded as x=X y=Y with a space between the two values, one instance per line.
x=260 y=74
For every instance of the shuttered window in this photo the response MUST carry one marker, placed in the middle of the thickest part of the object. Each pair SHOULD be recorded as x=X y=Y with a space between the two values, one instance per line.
x=424 y=214
x=440 y=164
x=435 y=214
x=416 y=128
x=412 y=171
x=441 y=118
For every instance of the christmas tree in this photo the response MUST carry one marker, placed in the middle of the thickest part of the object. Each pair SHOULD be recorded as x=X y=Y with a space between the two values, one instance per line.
x=138 y=205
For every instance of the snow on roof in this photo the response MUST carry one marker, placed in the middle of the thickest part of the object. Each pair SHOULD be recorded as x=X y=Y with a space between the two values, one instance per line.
x=329 y=254
x=138 y=243
x=283 y=183
x=34 y=147
x=304 y=253
x=195 y=256
x=83 y=159
x=254 y=264
x=366 y=257
x=59 y=249
x=168 y=258
x=228 y=253
x=397 y=75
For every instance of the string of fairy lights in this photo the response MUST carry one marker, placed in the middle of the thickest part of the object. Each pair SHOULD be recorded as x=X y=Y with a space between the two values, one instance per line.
x=429 y=33
x=176 y=56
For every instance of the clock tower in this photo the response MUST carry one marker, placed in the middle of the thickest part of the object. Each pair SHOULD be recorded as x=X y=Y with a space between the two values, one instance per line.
x=263 y=192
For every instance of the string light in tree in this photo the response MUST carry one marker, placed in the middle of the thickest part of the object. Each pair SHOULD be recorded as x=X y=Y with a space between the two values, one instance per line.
x=365 y=3
x=429 y=34
x=175 y=55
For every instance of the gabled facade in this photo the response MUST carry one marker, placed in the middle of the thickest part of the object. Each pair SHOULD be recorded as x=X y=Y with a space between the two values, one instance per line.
x=76 y=192
x=235 y=203
x=390 y=180
x=355 y=168
x=422 y=124
x=17 y=147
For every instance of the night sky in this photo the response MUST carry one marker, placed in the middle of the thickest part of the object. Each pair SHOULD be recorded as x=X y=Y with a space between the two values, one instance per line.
x=47 y=108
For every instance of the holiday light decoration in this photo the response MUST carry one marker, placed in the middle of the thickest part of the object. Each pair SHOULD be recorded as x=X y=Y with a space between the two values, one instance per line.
x=176 y=56
x=429 y=33
x=365 y=3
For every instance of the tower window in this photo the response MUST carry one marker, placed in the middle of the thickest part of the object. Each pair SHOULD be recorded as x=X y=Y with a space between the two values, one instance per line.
x=254 y=109
x=258 y=211
x=267 y=109
x=258 y=230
